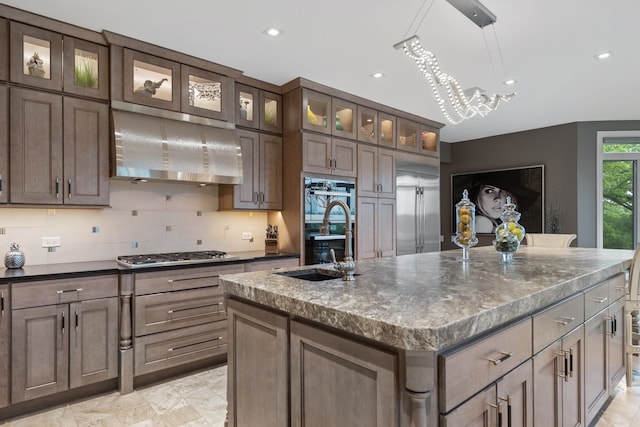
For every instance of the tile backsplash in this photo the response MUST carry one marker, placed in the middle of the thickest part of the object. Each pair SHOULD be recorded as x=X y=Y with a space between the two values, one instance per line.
x=142 y=218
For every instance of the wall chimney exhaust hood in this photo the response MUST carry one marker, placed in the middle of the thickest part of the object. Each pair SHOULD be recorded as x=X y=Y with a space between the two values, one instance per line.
x=156 y=144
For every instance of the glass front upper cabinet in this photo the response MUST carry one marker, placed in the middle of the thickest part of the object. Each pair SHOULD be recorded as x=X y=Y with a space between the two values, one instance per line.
x=387 y=130
x=36 y=56
x=344 y=114
x=316 y=108
x=152 y=81
x=407 y=137
x=270 y=112
x=246 y=110
x=429 y=140
x=86 y=68
x=367 y=124
x=205 y=93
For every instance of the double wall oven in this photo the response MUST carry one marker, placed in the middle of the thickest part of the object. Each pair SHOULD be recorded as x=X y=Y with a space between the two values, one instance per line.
x=318 y=193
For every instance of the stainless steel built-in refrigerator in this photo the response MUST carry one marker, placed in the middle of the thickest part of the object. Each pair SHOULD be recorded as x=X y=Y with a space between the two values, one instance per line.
x=418 y=207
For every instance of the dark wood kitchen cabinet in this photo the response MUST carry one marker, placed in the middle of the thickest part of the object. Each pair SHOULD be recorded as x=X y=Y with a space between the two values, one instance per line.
x=64 y=335
x=261 y=187
x=59 y=149
x=375 y=228
x=36 y=56
x=4 y=49
x=376 y=172
x=179 y=317
x=327 y=155
x=4 y=144
x=5 y=334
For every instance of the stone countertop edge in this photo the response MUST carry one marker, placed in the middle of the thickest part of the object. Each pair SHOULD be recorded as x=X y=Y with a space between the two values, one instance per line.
x=96 y=268
x=434 y=301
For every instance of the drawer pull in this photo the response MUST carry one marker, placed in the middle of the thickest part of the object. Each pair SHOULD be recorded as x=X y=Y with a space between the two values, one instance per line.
x=64 y=291
x=195 y=278
x=504 y=357
x=177 y=310
x=564 y=320
x=196 y=343
x=599 y=300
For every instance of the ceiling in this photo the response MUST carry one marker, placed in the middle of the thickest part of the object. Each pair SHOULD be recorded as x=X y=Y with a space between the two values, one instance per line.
x=548 y=46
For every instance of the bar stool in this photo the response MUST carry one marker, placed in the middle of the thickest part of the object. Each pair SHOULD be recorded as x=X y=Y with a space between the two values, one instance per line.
x=631 y=307
x=548 y=240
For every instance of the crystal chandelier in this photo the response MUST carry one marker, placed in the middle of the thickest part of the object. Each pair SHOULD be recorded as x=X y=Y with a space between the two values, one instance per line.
x=455 y=104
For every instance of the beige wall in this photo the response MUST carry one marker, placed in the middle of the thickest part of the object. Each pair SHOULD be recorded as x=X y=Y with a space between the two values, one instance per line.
x=170 y=217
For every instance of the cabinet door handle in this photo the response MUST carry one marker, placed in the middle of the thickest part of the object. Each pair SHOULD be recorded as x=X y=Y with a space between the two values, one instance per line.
x=564 y=320
x=599 y=300
x=257 y=196
x=77 y=320
x=571 y=362
x=504 y=357
x=0 y=185
x=2 y=302
x=498 y=409
x=612 y=320
x=63 y=323
x=57 y=188
x=63 y=291
x=69 y=187
x=261 y=197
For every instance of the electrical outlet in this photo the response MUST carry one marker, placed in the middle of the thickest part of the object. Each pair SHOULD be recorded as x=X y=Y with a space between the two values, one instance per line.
x=50 y=242
x=247 y=235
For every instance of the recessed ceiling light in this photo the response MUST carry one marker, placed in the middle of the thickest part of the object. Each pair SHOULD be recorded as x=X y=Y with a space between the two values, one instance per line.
x=273 y=32
x=510 y=82
x=377 y=75
x=603 y=55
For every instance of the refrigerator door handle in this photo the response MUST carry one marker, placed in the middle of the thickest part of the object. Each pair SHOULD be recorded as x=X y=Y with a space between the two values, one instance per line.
x=421 y=217
x=416 y=219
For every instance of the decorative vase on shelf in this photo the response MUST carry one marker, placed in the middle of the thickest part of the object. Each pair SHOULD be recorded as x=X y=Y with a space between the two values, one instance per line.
x=510 y=233
x=14 y=258
x=465 y=225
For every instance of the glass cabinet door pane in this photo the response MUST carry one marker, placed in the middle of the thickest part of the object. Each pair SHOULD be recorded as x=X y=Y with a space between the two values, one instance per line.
x=85 y=69
x=36 y=57
x=387 y=132
x=343 y=118
x=429 y=141
x=247 y=106
x=271 y=112
x=205 y=93
x=152 y=81
x=317 y=111
x=367 y=125
x=407 y=135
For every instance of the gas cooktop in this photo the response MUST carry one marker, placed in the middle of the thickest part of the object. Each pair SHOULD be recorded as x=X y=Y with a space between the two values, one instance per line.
x=173 y=258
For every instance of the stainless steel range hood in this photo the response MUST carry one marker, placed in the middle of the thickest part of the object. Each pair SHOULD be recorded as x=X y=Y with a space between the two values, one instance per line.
x=157 y=144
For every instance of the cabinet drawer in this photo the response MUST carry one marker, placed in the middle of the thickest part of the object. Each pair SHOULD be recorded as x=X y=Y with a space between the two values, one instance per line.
x=175 y=280
x=173 y=348
x=467 y=370
x=596 y=299
x=617 y=287
x=557 y=321
x=60 y=291
x=172 y=310
x=272 y=264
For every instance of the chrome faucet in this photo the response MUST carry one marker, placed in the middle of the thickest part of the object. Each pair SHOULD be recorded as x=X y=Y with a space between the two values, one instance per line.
x=347 y=266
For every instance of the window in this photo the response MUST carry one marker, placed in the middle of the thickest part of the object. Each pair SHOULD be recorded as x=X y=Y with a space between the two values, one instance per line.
x=618 y=184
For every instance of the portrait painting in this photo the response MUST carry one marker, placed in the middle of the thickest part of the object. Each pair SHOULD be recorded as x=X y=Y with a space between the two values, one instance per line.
x=488 y=190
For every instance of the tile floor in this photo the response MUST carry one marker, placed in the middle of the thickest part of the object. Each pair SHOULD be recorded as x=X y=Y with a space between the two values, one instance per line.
x=199 y=399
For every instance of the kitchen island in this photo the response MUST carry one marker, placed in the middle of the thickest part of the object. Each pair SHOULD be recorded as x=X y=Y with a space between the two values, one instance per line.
x=428 y=339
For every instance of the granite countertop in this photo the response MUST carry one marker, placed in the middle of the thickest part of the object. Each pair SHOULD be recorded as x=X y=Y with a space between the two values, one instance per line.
x=92 y=268
x=433 y=301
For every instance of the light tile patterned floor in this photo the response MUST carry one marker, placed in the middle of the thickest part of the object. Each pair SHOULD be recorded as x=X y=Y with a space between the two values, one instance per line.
x=199 y=399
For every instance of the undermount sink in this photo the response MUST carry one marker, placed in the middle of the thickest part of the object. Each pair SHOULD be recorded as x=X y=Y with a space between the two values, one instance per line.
x=312 y=274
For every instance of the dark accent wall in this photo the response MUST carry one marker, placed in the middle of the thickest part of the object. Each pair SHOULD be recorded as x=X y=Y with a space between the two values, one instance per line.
x=568 y=153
